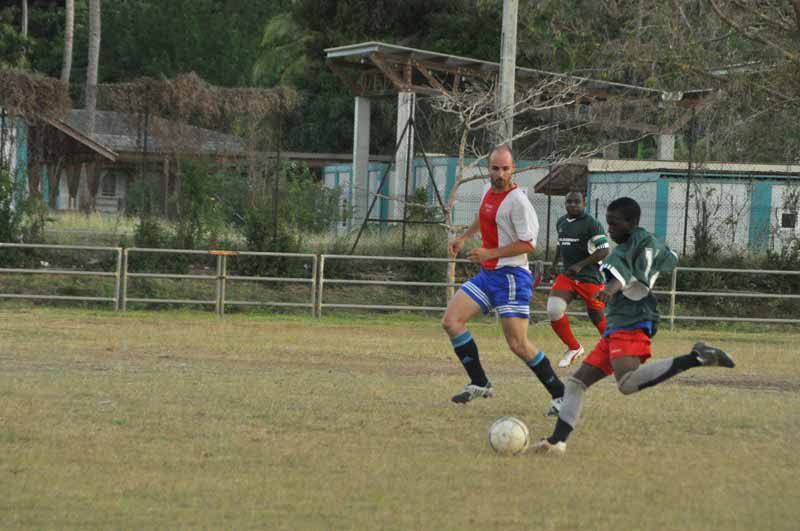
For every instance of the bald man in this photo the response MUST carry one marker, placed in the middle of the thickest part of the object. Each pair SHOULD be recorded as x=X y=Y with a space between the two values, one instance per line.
x=508 y=227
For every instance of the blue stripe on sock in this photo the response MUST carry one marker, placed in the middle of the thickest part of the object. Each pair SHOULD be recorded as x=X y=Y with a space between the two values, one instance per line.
x=536 y=360
x=461 y=339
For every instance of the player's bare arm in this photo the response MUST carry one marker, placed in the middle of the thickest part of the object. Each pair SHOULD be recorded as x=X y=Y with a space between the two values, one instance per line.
x=595 y=258
x=556 y=258
x=454 y=246
x=480 y=254
x=611 y=289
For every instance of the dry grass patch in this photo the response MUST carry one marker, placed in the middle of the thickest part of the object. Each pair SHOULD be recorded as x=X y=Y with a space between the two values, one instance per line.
x=170 y=419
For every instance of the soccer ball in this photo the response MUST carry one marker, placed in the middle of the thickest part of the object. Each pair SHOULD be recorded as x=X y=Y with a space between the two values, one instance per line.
x=508 y=436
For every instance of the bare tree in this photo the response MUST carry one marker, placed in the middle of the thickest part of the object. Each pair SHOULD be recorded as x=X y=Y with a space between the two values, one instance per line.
x=69 y=33
x=555 y=103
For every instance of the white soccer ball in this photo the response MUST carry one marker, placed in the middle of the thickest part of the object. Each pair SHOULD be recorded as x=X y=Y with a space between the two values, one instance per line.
x=508 y=436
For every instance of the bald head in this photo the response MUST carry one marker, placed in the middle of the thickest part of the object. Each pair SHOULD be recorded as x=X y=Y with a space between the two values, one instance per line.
x=501 y=168
x=502 y=148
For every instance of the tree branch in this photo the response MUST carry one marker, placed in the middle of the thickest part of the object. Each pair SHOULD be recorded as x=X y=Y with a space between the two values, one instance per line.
x=755 y=37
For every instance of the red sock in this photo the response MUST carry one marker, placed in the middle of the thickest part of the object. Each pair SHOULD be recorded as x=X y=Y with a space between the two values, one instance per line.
x=601 y=326
x=562 y=330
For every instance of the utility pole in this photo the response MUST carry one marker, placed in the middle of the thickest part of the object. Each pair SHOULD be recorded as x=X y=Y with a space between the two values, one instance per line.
x=692 y=131
x=508 y=67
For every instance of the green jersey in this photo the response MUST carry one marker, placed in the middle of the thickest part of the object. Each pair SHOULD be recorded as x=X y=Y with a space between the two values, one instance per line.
x=636 y=264
x=578 y=238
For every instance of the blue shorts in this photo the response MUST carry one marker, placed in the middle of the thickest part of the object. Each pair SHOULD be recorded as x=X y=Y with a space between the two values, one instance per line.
x=507 y=290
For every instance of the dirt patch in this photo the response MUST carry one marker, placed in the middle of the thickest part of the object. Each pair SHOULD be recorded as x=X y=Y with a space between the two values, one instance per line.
x=746 y=381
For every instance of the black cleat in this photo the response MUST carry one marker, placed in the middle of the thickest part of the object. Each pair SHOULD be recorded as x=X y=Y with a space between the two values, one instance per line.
x=709 y=356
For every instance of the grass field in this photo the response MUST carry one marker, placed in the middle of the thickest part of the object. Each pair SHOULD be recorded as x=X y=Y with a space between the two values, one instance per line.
x=180 y=420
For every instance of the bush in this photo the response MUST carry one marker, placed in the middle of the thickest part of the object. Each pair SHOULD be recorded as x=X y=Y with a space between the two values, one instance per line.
x=150 y=233
x=22 y=220
x=788 y=260
x=261 y=235
x=201 y=216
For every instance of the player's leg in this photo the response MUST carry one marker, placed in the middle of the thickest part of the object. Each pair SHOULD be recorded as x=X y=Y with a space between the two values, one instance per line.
x=515 y=329
x=594 y=308
x=598 y=318
x=560 y=297
x=632 y=376
x=575 y=387
x=460 y=310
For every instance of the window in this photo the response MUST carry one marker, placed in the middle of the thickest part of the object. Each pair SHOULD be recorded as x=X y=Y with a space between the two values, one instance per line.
x=788 y=220
x=109 y=187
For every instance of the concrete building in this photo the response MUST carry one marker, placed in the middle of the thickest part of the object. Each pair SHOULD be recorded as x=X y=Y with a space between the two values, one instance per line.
x=744 y=207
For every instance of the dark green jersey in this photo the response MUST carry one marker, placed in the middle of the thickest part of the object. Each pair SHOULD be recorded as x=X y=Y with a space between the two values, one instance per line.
x=636 y=264
x=577 y=239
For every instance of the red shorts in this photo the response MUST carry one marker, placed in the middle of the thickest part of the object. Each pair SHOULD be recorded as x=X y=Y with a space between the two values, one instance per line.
x=617 y=345
x=585 y=290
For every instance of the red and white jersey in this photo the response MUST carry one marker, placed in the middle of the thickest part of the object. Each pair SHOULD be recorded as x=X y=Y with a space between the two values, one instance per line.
x=505 y=218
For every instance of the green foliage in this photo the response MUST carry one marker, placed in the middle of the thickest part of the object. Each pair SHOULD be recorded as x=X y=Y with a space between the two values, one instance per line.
x=200 y=217
x=262 y=235
x=13 y=46
x=292 y=44
x=419 y=208
x=22 y=220
x=143 y=196
x=11 y=216
x=305 y=203
x=787 y=260
x=428 y=242
x=162 y=39
x=150 y=233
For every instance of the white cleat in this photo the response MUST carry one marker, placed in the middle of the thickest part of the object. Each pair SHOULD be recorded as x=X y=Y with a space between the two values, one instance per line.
x=570 y=356
x=472 y=391
x=555 y=406
x=544 y=447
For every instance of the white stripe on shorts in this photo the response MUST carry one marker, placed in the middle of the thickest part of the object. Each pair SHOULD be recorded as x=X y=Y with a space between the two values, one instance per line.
x=475 y=290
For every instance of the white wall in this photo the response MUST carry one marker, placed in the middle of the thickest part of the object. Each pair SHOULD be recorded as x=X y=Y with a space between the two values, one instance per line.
x=643 y=192
x=784 y=201
x=728 y=213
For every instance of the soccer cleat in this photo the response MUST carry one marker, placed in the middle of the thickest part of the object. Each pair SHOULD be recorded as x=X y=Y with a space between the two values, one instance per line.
x=545 y=447
x=709 y=356
x=471 y=392
x=570 y=356
x=555 y=406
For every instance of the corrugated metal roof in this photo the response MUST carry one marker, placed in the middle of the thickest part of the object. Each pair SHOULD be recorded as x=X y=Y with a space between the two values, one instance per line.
x=364 y=49
x=120 y=132
x=617 y=165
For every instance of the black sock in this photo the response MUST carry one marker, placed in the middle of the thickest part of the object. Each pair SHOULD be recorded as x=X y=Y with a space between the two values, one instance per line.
x=560 y=433
x=467 y=351
x=541 y=367
x=679 y=364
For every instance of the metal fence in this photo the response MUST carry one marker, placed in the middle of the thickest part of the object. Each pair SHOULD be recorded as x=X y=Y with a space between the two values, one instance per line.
x=122 y=275
x=318 y=280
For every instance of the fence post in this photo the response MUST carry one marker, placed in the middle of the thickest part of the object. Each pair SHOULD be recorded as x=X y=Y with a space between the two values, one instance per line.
x=314 y=285
x=124 y=288
x=219 y=284
x=673 y=289
x=223 y=284
x=320 y=285
x=117 y=279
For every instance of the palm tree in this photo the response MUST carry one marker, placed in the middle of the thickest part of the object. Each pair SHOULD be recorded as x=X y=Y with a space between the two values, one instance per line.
x=69 y=32
x=91 y=70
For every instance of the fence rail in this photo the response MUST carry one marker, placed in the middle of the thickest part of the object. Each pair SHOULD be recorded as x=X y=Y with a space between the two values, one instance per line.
x=318 y=280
